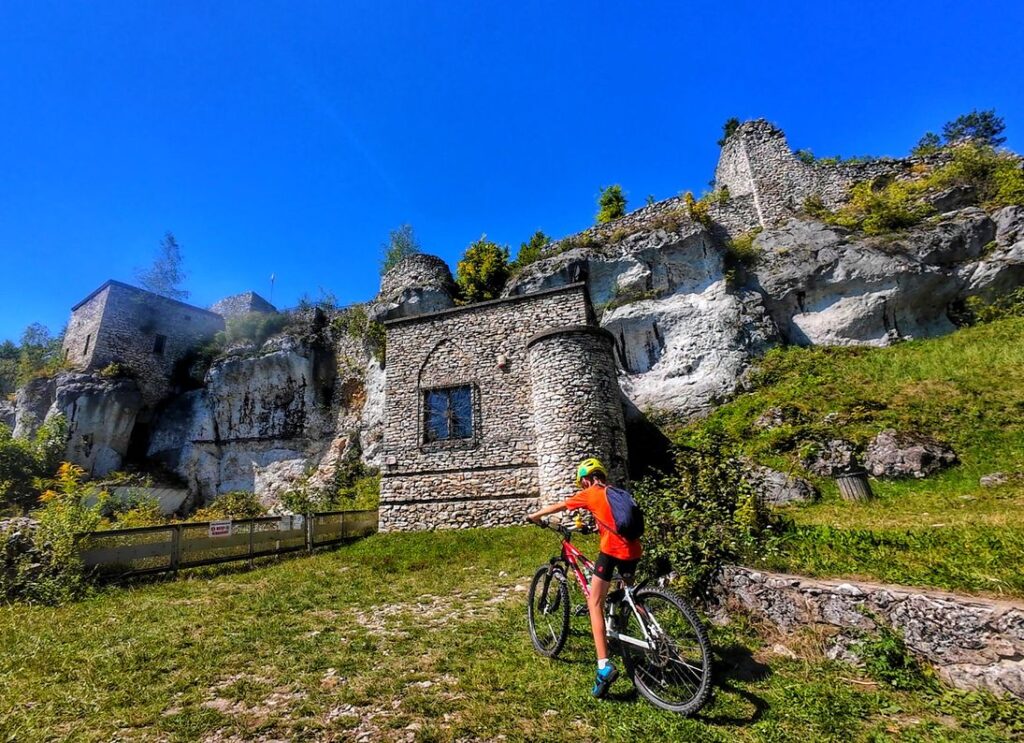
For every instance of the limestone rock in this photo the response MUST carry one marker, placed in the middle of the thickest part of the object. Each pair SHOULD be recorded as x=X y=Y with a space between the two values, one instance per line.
x=8 y=413
x=776 y=488
x=894 y=454
x=833 y=458
x=32 y=403
x=417 y=285
x=994 y=480
x=101 y=416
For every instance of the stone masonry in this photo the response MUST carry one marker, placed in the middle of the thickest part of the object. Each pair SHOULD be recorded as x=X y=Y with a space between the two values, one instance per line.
x=491 y=477
x=974 y=643
x=143 y=331
x=242 y=304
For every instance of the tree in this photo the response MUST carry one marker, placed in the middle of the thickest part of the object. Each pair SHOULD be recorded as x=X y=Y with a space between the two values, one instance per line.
x=611 y=204
x=929 y=144
x=167 y=274
x=401 y=244
x=532 y=250
x=9 y=355
x=483 y=270
x=981 y=126
x=39 y=352
x=728 y=129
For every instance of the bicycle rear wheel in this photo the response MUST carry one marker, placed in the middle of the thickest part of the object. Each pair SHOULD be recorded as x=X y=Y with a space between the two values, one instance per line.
x=547 y=611
x=675 y=672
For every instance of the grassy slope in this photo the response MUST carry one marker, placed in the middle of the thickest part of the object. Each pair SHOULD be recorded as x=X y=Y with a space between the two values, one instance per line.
x=250 y=653
x=966 y=389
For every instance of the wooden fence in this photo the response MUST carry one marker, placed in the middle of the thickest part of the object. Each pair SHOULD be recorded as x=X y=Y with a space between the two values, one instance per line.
x=158 y=549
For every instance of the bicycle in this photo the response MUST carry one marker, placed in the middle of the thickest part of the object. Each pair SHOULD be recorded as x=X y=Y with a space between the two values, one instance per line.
x=663 y=643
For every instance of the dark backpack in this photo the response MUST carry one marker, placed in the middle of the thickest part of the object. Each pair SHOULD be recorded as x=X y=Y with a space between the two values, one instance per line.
x=629 y=519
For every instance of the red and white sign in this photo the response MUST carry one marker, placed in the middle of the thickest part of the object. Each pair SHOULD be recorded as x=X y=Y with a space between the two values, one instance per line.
x=220 y=528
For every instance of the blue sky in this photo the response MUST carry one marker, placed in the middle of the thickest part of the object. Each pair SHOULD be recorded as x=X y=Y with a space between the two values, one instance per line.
x=290 y=137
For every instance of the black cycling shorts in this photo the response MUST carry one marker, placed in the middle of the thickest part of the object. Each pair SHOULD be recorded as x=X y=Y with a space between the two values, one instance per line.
x=605 y=566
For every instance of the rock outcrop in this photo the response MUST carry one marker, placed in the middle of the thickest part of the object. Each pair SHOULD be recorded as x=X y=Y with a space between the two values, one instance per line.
x=271 y=419
x=894 y=454
x=8 y=414
x=776 y=488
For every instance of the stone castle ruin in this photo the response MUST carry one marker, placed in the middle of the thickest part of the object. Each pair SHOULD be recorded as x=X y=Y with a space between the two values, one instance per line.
x=481 y=410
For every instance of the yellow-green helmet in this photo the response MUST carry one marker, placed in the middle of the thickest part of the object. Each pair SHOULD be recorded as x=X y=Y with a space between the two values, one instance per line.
x=588 y=467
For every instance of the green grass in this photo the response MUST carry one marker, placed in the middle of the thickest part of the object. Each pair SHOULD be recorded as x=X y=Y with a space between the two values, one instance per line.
x=420 y=634
x=966 y=389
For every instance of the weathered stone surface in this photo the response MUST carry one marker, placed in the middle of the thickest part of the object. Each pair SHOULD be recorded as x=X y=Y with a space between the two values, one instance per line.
x=894 y=454
x=32 y=403
x=974 y=643
x=101 y=416
x=8 y=413
x=776 y=488
x=419 y=284
x=994 y=480
x=833 y=458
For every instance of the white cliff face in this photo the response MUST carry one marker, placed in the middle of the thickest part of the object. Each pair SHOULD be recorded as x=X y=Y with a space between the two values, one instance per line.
x=687 y=326
x=270 y=420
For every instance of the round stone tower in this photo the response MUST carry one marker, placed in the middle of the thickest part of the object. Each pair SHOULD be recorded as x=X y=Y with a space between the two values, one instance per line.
x=416 y=285
x=577 y=406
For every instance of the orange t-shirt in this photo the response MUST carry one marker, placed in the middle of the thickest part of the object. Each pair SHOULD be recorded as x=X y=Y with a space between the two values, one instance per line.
x=595 y=500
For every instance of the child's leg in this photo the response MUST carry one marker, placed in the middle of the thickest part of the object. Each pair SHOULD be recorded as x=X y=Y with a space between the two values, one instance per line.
x=598 y=593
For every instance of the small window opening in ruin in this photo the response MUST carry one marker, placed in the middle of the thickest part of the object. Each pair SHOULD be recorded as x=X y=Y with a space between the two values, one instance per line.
x=88 y=340
x=448 y=413
x=158 y=344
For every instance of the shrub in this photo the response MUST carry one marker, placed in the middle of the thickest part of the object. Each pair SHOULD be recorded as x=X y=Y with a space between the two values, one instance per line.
x=237 y=504
x=929 y=144
x=876 y=211
x=531 y=251
x=815 y=208
x=39 y=354
x=728 y=129
x=804 y=156
x=44 y=566
x=1008 y=305
x=699 y=210
x=611 y=204
x=401 y=244
x=742 y=250
x=701 y=514
x=355 y=323
x=483 y=270
x=256 y=327
x=997 y=176
x=887 y=660
x=115 y=370
x=23 y=463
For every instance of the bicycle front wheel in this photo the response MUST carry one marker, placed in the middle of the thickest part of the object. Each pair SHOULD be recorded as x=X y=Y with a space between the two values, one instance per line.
x=547 y=611
x=674 y=672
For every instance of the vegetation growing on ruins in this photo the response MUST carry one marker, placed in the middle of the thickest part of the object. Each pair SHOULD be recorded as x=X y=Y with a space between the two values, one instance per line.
x=483 y=270
x=728 y=129
x=166 y=275
x=401 y=244
x=994 y=178
x=372 y=639
x=530 y=251
x=611 y=204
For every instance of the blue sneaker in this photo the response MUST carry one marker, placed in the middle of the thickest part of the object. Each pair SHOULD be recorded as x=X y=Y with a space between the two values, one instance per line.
x=605 y=678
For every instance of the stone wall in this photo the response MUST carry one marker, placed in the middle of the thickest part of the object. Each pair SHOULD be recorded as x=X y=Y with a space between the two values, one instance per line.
x=756 y=162
x=131 y=323
x=974 y=643
x=242 y=304
x=577 y=406
x=416 y=285
x=490 y=478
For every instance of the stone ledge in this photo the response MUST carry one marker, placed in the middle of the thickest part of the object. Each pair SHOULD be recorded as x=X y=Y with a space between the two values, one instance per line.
x=972 y=641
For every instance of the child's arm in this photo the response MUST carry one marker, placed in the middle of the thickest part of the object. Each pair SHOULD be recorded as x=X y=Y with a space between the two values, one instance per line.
x=536 y=516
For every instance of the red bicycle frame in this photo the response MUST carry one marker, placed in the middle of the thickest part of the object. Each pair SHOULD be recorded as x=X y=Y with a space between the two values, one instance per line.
x=575 y=559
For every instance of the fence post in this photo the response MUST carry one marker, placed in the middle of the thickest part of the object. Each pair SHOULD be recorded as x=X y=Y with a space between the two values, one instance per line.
x=252 y=525
x=175 y=547
x=309 y=532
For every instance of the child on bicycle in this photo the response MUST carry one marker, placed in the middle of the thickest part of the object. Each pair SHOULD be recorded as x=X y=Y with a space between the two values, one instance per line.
x=616 y=552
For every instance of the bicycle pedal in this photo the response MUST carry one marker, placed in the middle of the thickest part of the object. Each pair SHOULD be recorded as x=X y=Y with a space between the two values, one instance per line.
x=581 y=610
